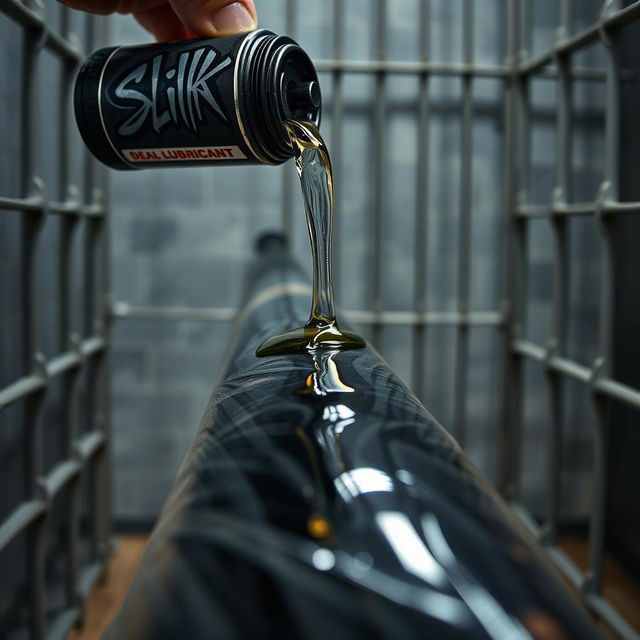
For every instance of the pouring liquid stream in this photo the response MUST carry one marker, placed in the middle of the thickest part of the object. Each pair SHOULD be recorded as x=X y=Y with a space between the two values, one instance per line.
x=316 y=179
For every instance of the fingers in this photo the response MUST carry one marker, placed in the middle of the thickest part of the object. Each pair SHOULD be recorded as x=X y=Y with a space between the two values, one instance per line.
x=216 y=17
x=102 y=7
x=181 y=18
x=163 y=23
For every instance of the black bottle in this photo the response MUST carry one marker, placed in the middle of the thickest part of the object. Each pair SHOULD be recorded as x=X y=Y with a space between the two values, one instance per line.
x=203 y=101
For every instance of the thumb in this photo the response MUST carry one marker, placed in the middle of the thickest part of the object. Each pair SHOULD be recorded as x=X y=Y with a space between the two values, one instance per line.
x=216 y=17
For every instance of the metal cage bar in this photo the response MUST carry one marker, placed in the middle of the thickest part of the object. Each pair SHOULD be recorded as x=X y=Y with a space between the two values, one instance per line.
x=422 y=212
x=337 y=115
x=79 y=349
x=379 y=173
x=464 y=233
x=553 y=357
x=287 y=176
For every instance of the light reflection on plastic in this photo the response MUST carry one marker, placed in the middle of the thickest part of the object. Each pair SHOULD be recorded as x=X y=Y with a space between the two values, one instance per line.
x=323 y=559
x=351 y=484
x=325 y=378
x=440 y=606
x=340 y=415
x=409 y=547
x=405 y=476
x=495 y=620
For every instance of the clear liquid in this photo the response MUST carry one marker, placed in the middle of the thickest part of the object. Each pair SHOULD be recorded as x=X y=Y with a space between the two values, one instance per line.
x=316 y=179
x=325 y=377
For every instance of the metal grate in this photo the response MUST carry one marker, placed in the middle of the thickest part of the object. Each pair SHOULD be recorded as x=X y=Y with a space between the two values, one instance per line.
x=54 y=517
x=553 y=357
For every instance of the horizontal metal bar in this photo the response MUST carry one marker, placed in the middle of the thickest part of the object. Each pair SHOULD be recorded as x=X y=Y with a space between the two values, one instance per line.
x=430 y=318
x=33 y=204
x=605 y=386
x=75 y=208
x=58 y=365
x=59 y=477
x=545 y=211
x=571 y=369
x=621 y=207
x=411 y=67
x=582 y=39
x=576 y=209
x=65 y=471
x=29 y=19
x=92 y=346
x=554 y=363
x=447 y=69
x=51 y=484
x=611 y=617
x=560 y=559
x=21 y=388
x=597 y=604
x=529 y=349
x=123 y=310
x=89 y=576
x=63 y=623
x=69 y=618
x=20 y=519
x=86 y=446
x=63 y=363
x=566 y=565
x=618 y=391
x=37 y=204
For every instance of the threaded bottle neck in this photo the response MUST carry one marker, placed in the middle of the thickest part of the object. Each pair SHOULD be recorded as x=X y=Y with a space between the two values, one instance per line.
x=279 y=83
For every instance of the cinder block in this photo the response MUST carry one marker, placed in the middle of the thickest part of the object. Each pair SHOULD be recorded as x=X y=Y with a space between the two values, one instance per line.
x=151 y=235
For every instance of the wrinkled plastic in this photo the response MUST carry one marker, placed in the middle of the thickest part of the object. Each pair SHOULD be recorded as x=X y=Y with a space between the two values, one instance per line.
x=320 y=499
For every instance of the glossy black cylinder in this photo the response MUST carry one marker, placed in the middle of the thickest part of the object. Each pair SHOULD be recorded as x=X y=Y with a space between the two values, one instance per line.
x=194 y=102
x=321 y=499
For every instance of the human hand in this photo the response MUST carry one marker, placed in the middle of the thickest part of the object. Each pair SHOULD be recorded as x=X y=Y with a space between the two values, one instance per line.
x=179 y=19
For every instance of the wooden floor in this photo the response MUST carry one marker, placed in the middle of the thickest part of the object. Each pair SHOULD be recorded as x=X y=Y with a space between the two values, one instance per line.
x=106 y=597
x=619 y=589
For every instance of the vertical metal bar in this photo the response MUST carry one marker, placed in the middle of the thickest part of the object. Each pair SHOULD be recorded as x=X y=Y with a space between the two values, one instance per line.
x=66 y=339
x=609 y=189
x=93 y=192
x=102 y=395
x=559 y=225
x=516 y=181
x=337 y=115
x=464 y=237
x=31 y=225
x=69 y=223
x=287 y=170
x=422 y=220
x=564 y=17
x=523 y=29
x=379 y=177
x=505 y=422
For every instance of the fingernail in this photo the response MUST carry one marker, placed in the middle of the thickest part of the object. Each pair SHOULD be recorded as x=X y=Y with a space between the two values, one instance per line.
x=234 y=18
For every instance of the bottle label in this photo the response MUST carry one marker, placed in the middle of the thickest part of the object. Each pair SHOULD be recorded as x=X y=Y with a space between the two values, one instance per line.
x=158 y=95
x=173 y=103
x=182 y=154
